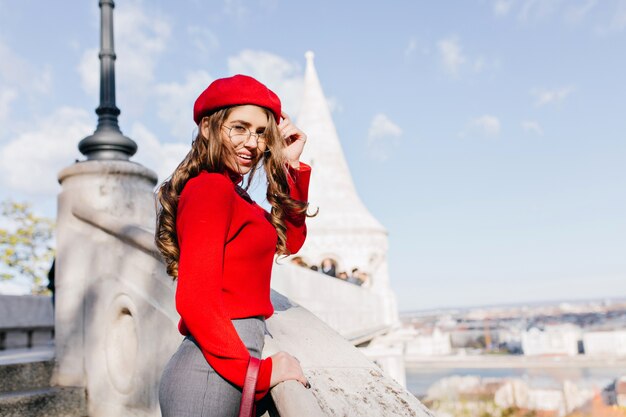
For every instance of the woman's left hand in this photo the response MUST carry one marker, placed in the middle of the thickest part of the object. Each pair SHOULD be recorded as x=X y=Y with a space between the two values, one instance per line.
x=294 y=140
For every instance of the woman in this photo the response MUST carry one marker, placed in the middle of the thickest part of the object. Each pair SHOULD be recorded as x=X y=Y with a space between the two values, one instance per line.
x=220 y=245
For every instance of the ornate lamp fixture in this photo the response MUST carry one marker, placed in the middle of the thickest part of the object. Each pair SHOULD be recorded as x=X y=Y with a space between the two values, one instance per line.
x=107 y=142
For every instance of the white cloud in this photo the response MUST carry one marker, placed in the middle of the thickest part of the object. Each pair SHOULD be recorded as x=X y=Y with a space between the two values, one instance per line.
x=577 y=13
x=382 y=126
x=7 y=96
x=538 y=9
x=282 y=76
x=410 y=48
x=143 y=37
x=383 y=133
x=236 y=8
x=534 y=10
x=454 y=60
x=30 y=162
x=618 y=21
x=532 y=127
x=21 y=74
x=89 y=71
x=160 y=157
x=19 y=79
x=203 y=39
x=479 y=64
x=268 y=4
x=414 y=46
x=42 y=82
x=240 y=9
x=486 y=124
x=175 y=103
x=527 y=9
x=502 y=7
x=334 y=105
x=451 y=55
x=551 y=96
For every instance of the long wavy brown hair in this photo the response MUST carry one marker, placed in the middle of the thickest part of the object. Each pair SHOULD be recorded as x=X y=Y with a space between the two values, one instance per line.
x=210 y=154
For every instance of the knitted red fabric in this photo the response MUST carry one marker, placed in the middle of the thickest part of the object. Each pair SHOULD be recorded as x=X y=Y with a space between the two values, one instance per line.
x=227 y=248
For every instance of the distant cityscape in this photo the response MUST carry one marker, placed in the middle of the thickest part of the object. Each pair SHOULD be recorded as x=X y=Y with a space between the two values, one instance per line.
x=547 y=359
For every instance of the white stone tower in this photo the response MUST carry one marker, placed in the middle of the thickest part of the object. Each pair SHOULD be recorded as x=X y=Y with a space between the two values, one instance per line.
x=344 y=229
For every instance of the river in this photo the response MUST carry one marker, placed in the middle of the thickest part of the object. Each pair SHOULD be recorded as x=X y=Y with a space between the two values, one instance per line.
x=419 y=379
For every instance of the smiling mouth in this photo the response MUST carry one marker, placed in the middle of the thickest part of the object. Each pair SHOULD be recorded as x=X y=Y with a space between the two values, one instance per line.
x=245 y=159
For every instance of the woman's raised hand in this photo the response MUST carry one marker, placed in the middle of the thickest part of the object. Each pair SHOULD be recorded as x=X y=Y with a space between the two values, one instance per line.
x=286 y=367
x=294 y=140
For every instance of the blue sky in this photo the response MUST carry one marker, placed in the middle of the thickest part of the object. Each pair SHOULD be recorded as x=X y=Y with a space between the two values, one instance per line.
x=489 y=136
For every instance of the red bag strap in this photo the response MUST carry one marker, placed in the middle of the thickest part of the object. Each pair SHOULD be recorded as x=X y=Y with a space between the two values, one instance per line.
x=247 y=409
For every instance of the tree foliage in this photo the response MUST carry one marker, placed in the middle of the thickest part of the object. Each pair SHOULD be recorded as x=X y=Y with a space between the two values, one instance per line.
x=25 y=244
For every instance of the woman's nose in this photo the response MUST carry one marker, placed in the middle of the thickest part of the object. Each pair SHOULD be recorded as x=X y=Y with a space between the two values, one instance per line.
x=252 y=142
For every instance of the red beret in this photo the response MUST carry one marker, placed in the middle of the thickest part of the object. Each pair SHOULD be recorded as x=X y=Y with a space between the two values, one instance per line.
x=234 y=91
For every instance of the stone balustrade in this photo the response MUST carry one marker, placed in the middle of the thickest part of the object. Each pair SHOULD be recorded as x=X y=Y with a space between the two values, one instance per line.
x=25 y=321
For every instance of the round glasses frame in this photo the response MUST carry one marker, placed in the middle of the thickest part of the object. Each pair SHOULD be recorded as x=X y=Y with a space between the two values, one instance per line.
x=243 y=134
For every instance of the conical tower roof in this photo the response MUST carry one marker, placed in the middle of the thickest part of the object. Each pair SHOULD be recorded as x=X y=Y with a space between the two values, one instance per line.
x=331 y=188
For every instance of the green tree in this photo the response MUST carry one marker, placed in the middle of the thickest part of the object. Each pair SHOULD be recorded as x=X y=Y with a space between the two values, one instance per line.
x=25 y=244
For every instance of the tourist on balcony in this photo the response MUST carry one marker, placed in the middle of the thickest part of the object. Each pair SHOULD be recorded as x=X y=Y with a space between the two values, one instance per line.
x=328 y=267
x=365 y=280
x=297 y=260
x=220 y=246
x=354 y=277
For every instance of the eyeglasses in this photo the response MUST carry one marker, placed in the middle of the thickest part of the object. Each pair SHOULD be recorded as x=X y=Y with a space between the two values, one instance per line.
x=239 y=134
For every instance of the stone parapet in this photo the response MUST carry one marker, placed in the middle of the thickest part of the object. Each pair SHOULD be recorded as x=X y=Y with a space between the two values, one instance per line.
x=25 y=321
x=25 y=311
x=343 y=381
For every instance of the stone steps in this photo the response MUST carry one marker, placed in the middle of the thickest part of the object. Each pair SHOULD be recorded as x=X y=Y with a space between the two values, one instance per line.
x=48 y=402
x=25 y=376
x=25 y=388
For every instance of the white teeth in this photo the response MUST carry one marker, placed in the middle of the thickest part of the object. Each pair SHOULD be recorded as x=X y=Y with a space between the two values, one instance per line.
x=248 y=157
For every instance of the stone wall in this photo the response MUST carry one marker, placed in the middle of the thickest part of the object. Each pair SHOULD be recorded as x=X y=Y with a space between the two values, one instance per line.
x=25 y=321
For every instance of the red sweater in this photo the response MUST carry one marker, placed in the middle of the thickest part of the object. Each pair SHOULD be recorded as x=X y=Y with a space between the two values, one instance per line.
x=227 y=248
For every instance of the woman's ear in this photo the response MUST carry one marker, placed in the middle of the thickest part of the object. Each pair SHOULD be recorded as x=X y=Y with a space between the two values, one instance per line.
x=204 y=127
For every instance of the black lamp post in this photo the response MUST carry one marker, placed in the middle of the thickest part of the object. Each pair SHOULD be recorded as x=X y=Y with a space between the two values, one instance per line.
x=107 y=142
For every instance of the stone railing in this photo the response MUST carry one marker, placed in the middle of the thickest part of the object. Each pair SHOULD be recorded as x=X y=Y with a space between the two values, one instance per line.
x=25 y=321
x=116 y=321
